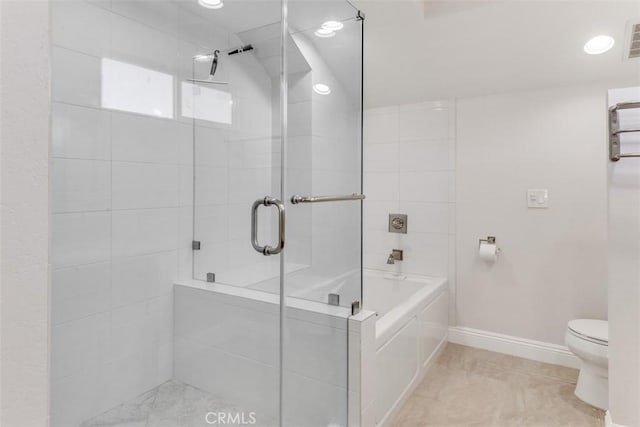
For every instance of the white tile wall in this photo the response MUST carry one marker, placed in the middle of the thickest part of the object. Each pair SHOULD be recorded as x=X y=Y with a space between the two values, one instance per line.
x=120 y=198
x=76 y=77
x=429 y=186
x=78 y=345
x=137 y=138
x=141 y=325
x=162 y=17
x=80 y=133
x=81 y=291
x=142 y=278
x=145 y=185
x=409 y=160
x=138 y=232
x=72 y=18
x=426 y=121
x=80 y=185
x=81 y=238
x=423 y=155
x=153 y=49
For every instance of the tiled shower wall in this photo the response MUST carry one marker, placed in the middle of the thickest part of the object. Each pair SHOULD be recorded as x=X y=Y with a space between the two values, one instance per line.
x=122 y=196
x=409 y=168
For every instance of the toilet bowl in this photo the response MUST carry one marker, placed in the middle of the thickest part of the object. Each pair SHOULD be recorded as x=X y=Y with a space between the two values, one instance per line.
x=588 y=339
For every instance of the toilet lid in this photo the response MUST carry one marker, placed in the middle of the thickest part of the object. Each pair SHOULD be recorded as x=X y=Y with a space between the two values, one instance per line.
x=597 y=330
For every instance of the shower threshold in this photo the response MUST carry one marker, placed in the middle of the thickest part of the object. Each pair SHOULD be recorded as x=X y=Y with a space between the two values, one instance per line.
x=171 y=404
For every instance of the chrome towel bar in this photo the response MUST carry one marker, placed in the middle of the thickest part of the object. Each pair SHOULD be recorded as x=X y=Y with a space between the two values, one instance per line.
x=615 y=153
x=319 y=199
x=625 y=106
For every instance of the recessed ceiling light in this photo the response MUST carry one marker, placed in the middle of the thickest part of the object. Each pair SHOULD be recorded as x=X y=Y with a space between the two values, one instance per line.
x=333 y=25
x=598 y=45
x=321 y=89
x=211 y=4
x=324 y=33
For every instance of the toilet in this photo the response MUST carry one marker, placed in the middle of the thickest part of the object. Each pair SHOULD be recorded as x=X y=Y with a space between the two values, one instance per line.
x=588 y=339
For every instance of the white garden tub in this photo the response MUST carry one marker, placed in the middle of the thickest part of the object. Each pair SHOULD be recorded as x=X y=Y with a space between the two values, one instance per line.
x=410 y=327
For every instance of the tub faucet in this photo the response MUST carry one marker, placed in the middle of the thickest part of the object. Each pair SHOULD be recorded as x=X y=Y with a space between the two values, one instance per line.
x=396 y=255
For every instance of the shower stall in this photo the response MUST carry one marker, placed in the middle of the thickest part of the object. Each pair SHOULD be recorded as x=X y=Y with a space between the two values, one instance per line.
x=206 y=206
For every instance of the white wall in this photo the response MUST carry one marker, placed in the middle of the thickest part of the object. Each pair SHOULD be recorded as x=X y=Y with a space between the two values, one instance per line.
x=24 y=213
x=552 y=267
x=409 y=166
x=624 y=270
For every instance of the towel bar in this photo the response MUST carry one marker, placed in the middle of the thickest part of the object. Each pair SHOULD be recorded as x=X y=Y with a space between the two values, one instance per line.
x=615 y=153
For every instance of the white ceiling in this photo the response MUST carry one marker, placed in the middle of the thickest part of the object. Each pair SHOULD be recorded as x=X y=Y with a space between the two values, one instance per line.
x=435 y=49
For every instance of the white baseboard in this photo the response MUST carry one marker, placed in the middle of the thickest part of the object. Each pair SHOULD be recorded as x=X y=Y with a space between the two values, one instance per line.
x=514 y=346
x=608 y=422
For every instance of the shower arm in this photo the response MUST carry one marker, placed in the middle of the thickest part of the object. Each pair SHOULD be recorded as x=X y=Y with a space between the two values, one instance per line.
x=232 y=50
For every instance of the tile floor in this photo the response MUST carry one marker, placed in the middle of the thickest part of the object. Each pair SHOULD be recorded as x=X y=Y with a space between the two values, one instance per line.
x=172 y=404
x=471 y=387
x=465 y=387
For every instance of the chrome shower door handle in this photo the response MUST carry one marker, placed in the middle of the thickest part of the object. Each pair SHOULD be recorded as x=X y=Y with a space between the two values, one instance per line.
x=267 y=250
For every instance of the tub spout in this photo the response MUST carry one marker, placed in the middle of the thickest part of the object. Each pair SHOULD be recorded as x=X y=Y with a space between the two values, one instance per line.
x=396 y=255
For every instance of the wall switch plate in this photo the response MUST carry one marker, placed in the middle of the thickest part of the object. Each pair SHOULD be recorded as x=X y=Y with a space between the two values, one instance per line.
x=538 y=198
x=398 y=223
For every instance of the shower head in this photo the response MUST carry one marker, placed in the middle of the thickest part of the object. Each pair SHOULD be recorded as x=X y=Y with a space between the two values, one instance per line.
x=214 y=63
x=212 y=71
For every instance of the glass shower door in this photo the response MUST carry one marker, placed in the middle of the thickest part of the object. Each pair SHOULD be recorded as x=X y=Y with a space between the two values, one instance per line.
x=276 y=329
x=323 y=162
x=322 y=186
x=168 y=120
x=227 y=340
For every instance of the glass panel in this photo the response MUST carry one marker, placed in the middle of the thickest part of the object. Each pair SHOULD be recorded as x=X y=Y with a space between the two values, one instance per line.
x=135 y=339
x=205 y=103
x=166 y=128
x=232 y=352
x=323 y=255
x=324 y=151
x=237 y=159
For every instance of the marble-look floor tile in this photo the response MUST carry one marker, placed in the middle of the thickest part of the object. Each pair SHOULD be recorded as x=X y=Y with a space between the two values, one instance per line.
x=472 y=387
x=172 y=404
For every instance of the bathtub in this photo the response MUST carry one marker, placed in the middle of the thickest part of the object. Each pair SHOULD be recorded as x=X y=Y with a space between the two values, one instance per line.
x=401 y=330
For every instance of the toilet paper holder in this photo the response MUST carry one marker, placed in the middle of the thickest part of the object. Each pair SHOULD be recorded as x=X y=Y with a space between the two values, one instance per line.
x=489 y=239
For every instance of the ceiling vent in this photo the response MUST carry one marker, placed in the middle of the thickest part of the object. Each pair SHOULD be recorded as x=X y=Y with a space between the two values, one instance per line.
x=634 y=42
